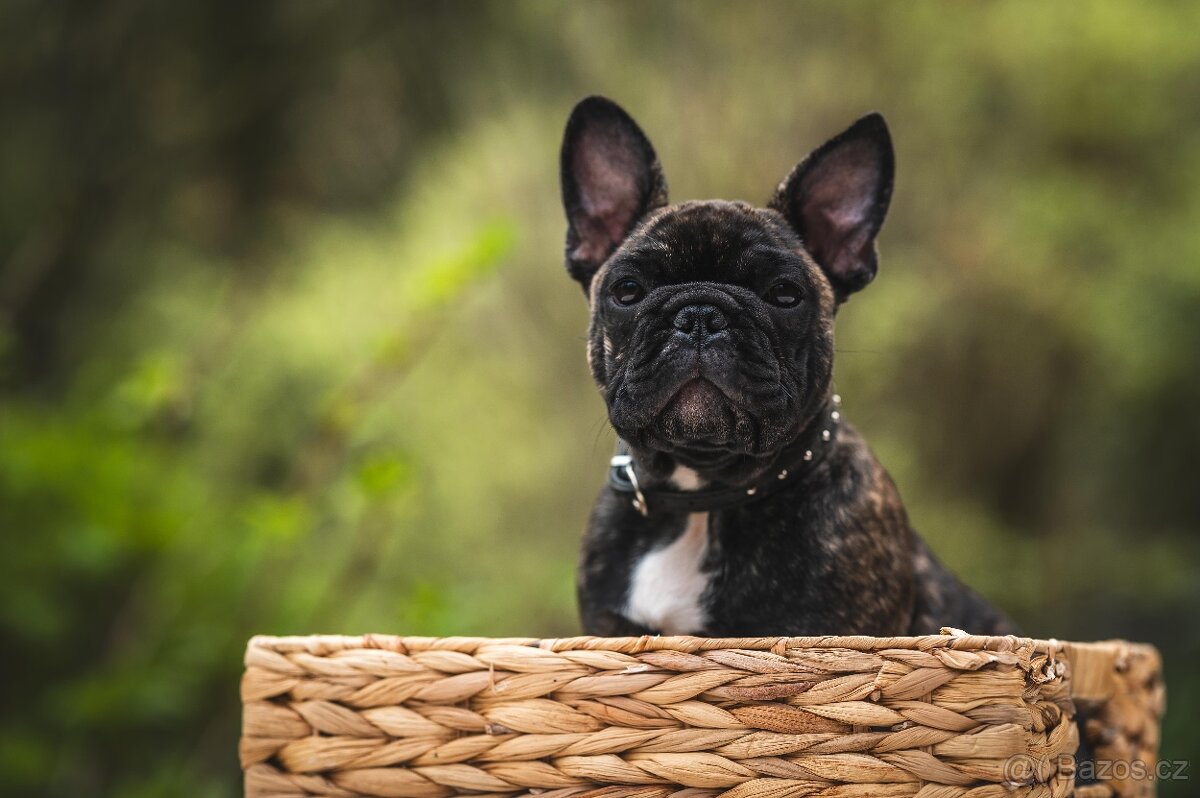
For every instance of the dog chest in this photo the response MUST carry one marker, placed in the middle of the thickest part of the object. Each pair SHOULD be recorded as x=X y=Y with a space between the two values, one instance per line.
x=668 y=583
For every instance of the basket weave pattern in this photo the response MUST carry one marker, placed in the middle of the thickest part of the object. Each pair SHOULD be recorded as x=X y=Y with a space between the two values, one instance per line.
x=1119 y=688
x=837 y=717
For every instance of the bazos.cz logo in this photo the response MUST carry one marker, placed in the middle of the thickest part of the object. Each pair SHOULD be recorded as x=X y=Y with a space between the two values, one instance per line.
x=1022 y=769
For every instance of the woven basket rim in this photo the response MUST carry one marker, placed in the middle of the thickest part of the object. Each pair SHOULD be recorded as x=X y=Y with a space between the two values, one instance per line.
x=949 y=639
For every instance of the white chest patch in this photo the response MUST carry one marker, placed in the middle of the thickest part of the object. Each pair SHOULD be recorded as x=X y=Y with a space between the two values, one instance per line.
x=686 y=478
x=668 y=583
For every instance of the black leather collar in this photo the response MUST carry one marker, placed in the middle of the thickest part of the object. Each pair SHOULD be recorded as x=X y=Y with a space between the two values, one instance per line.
x=798 y=459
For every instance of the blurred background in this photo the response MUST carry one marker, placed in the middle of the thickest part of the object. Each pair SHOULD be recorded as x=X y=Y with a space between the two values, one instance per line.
x=286 y=345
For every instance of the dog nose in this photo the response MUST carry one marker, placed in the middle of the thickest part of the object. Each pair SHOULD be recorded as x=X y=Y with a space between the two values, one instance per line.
x=700 y=319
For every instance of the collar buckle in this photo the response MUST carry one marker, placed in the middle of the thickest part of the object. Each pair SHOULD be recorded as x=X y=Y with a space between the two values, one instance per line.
x=622 y=466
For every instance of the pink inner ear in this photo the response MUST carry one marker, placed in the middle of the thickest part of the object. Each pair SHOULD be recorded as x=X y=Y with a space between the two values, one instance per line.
x=606 y=171
x=842 y=188
x=837 y=199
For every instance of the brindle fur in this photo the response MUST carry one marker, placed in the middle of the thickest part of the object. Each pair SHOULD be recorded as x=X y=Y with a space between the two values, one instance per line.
x=830 y=552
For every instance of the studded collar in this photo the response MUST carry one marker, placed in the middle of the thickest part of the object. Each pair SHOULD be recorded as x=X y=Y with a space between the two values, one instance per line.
x=799 y=457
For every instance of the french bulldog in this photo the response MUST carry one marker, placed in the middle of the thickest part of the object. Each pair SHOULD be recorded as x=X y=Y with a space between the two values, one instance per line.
x=740 y=502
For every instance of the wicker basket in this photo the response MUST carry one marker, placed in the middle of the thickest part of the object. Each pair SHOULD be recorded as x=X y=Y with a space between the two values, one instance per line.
x=838 y=717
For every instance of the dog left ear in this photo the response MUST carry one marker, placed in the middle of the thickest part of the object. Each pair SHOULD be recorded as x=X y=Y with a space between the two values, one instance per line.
x=836 y=199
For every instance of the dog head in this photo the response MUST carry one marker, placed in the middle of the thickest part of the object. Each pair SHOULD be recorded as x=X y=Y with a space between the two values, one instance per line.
x=711 y=335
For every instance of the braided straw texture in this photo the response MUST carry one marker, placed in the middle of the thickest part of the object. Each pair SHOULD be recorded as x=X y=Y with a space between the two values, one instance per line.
x=672 y=717
x=1123 y=698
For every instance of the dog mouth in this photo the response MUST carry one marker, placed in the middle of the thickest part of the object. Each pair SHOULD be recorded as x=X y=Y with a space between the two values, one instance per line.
x=699 y=416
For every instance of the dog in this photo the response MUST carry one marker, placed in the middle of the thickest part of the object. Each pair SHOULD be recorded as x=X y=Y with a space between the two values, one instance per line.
x=740 y=502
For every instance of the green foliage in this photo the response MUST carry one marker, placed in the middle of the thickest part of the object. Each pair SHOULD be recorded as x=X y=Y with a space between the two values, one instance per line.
x=286 y=347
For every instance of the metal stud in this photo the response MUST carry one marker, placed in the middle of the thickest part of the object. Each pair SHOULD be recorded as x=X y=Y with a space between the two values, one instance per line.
x=835 y=415
x=782 y=474
x=837 y=398
x=751 y=491
x=808 y=455
x=825 y=435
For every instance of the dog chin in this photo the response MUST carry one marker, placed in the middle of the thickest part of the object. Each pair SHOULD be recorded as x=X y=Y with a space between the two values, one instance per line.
x=699 y=426
x=697 y=414
x=702 y=429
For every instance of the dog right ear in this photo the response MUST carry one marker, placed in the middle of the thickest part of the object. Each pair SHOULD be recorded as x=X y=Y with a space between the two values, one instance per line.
x=610 y=179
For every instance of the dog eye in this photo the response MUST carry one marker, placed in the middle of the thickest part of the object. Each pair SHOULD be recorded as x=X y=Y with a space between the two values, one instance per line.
x=783 y=294
x=628 y=292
